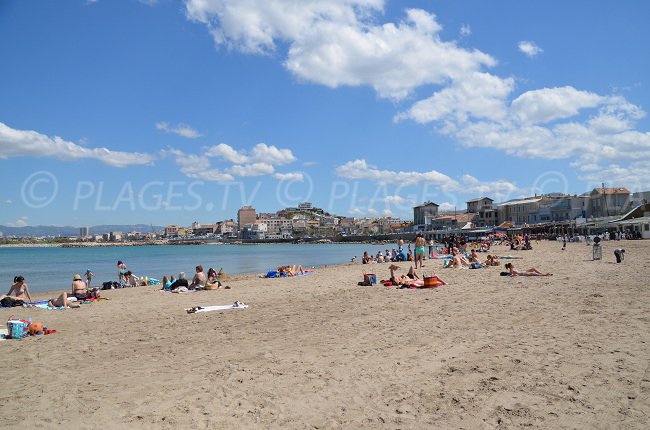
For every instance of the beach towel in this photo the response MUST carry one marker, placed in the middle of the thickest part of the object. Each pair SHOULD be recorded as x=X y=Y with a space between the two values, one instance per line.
x=197 y=309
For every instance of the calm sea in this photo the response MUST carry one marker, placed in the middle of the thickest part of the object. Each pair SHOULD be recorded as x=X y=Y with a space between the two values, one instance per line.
x=51 y=269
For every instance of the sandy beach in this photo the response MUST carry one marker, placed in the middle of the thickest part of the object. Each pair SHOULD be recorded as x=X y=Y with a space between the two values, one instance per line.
x=571 y=351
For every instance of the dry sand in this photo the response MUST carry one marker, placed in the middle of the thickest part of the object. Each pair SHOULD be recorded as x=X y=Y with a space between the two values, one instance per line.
x=564 y=352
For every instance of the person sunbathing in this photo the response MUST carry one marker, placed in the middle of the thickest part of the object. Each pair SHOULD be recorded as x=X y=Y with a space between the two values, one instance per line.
x=62 y=302
x=473 y=257
x=199 y=280
x=20 y=290
x=492 y=260
x=530 y=272
x=80 y=289
x=291 y=270
x=411 y=278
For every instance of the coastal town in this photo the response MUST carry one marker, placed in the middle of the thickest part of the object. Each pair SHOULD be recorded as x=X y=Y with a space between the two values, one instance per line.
x=612 y=209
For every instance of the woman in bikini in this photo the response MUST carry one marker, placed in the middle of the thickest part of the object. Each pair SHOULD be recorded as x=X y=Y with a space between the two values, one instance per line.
x=62 y=302
x=20 y=290
x=530 y=272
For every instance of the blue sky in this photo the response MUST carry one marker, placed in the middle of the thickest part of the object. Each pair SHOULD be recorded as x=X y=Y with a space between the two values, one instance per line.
x=175 y=111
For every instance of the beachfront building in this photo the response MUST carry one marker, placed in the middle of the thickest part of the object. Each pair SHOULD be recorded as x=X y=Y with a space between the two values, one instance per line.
x=605 y=202
x=83 y=231
x=277 y=225
x=486 y=215
x=517 y=211
x=245 y=215
x=451 y=221
x=203 y=229
x=424 y=213
x=389 y=225
x=639 y=198
x=171 y=231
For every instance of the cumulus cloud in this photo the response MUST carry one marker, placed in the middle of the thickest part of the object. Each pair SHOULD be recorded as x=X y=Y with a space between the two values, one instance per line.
x=293 y=176
x=360 y=169
x=261 y=160
x=197 y=167
x=396 y=200
x=339 y=42
x=20 y=222
x=348 y=43
x=261 y=153
x=446 y=207
x=181 y=129
x=20 y=143
x=253 y=169
x=465 y=30
x=530 y=48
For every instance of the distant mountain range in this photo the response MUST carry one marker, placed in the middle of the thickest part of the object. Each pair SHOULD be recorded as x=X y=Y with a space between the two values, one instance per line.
x=51 y=230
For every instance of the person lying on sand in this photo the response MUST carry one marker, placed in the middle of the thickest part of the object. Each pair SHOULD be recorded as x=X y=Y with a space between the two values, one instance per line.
x=530 y=272
x=291 y=270
x=411 y=278
x=62 y=302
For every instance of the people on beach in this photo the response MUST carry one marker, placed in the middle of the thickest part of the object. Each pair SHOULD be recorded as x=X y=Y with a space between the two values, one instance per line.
x=199 y=279
x=79 y=288
x=180 y=282
x=420 y=242
x=291 y=270
x=213 y=280
x=492 y=260
x=19 y=290
x=619 y=253
x=529 y=272
x=89 y=278
x=121 y=272
x=62 y=301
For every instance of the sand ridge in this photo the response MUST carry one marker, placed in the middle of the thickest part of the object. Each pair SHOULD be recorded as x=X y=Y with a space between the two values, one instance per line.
x=568 y=351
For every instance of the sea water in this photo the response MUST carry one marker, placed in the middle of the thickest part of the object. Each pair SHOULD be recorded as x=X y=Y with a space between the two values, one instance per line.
x=52 y=269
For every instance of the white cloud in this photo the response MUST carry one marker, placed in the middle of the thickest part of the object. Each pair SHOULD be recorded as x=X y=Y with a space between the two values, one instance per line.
x=299 y=177
x=465 y=30
x=27 y=143
x=359 y=169
x=180 y=129
x=197 y=167
x=310 y=163
x=339 y=42
x=6 y=202
x=348 y=43
x=479 y=95
x=396 y=200
x=446 y=207
x=548 y=104
x=469 y=179
x=530 y=48
x=253 y=169
x=261 y=153
x=21 y=222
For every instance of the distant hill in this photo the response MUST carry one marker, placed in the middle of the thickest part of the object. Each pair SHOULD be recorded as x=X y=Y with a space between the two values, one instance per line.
x=51 y=230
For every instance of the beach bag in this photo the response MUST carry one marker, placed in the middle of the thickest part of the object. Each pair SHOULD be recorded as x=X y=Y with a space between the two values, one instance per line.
x=369 y=278
x=10 y=302
x=18 y=329
x=431 y=281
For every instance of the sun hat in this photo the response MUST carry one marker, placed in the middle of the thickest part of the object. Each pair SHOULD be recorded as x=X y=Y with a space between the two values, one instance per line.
x=76 y=277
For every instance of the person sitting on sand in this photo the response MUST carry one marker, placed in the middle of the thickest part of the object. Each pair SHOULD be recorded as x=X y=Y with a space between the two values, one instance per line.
x=19 y=290
x=473 y=257
x=199 y=280
x=213 y=281
x=62 y=302
x=80 y=289
x=492 y=260
x=130 y=279
x=180 y=282
x=530 y=272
